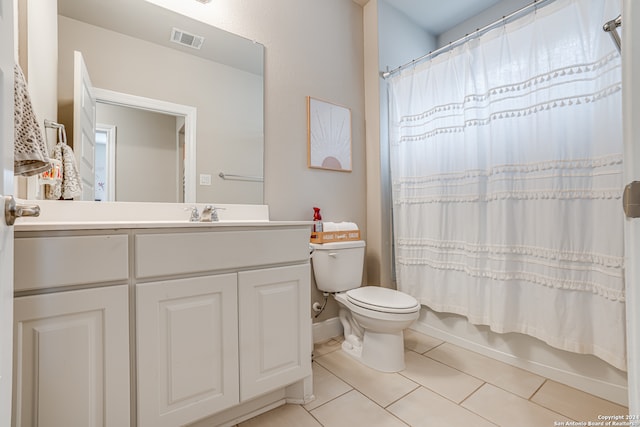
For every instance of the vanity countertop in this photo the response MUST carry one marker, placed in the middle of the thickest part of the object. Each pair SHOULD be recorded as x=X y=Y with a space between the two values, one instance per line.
x=73 y=215
x=111 y=225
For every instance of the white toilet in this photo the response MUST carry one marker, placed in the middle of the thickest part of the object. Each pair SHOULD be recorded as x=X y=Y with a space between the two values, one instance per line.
x=373 y=318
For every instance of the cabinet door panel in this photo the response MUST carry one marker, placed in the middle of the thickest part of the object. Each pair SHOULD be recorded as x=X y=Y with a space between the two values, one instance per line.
x=72 y=359
x=187 y=349
x=275 y=328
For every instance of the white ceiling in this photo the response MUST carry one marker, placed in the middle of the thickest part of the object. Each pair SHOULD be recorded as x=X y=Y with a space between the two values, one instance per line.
x=438 y=16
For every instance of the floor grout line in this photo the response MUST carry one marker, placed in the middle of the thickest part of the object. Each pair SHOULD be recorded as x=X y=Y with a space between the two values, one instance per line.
x=538 y=389
x=471 y=394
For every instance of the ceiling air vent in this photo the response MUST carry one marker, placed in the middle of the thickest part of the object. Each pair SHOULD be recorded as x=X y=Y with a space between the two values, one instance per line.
x=186 y=39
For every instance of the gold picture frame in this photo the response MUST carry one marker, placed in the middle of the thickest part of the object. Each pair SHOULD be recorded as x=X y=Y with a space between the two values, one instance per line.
x=328 y=136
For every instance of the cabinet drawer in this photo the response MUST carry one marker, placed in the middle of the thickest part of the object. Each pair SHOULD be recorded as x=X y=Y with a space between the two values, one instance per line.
x=182 y=253
x=45 y=262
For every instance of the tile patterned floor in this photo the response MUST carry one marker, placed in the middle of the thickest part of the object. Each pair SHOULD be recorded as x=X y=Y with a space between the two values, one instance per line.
x=442 y=385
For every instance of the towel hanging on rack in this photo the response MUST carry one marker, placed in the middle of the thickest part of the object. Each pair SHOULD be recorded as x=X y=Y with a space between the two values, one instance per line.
x=70 y=187
x=30 y=149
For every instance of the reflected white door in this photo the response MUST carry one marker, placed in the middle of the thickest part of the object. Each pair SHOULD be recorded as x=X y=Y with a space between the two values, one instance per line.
x=84 y=126
x=6 y=188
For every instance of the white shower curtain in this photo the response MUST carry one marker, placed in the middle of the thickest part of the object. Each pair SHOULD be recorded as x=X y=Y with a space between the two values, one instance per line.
x=506 y=163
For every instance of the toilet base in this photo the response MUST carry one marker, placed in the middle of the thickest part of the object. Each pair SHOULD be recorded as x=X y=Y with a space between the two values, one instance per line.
x=381 y=351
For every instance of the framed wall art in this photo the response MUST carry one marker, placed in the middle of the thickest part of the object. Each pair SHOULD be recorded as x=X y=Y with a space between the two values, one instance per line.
x=328 y=136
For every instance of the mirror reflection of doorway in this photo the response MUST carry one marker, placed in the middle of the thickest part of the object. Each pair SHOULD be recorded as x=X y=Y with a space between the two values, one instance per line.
x=105 y=163
x=142 y=156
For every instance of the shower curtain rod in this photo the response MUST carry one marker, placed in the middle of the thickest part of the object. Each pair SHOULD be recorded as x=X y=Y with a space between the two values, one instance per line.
x=611 y=28
x=478 y=32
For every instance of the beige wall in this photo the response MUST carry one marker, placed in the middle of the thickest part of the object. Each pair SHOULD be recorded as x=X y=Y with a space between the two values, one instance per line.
x=378 y=261
x=146 y=153
x=38 y=55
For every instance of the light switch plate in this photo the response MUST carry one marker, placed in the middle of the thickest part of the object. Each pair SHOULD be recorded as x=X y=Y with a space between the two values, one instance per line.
x=205 y=179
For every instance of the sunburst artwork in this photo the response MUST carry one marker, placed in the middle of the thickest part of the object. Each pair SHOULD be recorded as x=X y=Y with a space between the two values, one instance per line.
x=329 y=136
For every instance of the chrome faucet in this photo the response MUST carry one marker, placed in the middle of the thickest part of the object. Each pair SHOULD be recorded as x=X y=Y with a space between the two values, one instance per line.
x=210 y=214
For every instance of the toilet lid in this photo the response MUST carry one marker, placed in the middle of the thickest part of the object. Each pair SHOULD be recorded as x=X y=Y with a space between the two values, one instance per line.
x=383 y=299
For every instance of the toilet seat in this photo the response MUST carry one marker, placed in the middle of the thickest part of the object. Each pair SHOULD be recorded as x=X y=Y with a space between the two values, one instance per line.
x=382 y=299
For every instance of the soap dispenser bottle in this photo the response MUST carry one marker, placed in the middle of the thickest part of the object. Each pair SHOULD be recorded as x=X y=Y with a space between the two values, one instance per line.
x=317 y=220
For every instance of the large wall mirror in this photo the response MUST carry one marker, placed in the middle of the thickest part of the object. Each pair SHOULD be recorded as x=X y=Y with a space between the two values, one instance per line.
x=139 y=50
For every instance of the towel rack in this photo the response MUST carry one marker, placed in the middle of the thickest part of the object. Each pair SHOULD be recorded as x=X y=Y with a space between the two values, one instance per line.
x=62 y=133
x=53 y=125
x=232 y=177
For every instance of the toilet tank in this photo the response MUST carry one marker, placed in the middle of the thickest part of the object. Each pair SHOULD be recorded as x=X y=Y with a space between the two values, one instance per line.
x=337 y=266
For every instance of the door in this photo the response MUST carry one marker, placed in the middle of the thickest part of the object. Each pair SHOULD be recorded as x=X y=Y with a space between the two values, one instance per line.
x=187 y=334
x=631 y=135
x=72 y=359
x=6 y=188
x=275 y=325
x=84 y=126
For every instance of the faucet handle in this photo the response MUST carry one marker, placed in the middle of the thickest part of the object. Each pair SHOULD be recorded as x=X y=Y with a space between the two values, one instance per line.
x=214 y=213
x=210 y=213
x=195 y=215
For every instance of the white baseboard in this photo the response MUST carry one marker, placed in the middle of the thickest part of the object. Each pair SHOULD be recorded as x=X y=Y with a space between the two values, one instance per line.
x=327 y=329
x=583 y=372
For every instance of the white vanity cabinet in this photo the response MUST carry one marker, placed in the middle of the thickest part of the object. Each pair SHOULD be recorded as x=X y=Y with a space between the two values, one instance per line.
x=71 y=346
x=160 y=326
